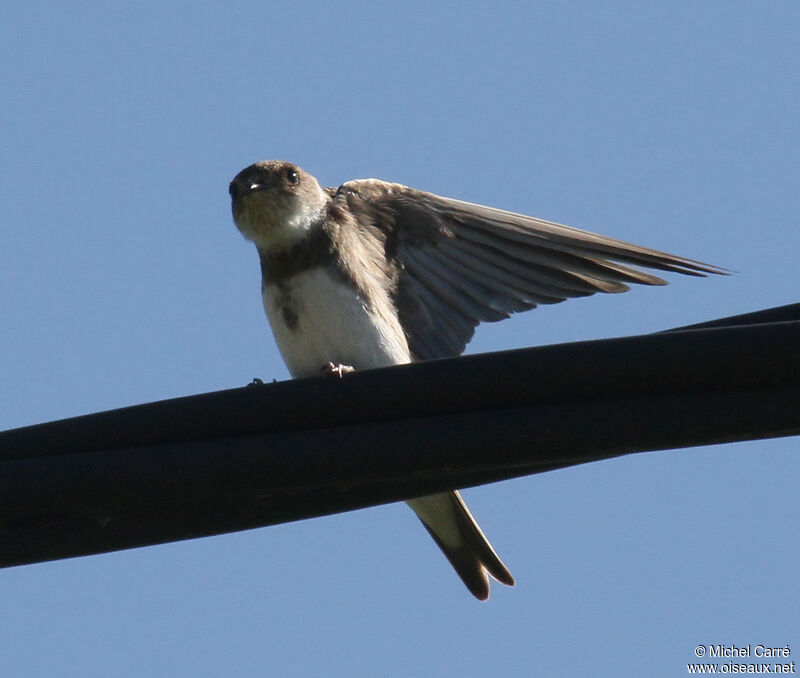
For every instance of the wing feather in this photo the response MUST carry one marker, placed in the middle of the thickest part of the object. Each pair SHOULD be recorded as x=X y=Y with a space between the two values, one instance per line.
x=500 y=294
x=467 y=298
x=549 y=281
x=441 y=329
x=454 y=264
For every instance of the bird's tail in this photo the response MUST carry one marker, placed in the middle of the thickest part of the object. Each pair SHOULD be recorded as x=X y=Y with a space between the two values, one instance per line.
x=449 y=522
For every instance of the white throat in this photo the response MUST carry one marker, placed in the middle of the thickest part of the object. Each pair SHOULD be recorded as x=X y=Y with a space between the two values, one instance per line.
x=286 y=232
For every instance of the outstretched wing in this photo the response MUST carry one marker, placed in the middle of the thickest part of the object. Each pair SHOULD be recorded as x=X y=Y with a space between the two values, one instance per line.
x=456 y=264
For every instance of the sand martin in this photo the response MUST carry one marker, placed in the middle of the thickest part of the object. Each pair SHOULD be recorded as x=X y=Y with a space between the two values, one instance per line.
x=372 y=274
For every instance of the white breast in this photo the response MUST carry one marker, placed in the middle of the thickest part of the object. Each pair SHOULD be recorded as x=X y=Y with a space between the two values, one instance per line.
x=332 y=325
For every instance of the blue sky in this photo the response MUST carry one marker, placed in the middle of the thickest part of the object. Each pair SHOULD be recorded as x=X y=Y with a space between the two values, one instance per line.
x=123 y=280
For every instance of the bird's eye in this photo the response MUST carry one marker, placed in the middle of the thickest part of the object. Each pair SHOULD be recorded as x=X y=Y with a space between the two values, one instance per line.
x=292 y=176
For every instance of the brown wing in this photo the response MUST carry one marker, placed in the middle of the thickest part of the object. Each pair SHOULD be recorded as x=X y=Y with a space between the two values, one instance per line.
x=456 y=264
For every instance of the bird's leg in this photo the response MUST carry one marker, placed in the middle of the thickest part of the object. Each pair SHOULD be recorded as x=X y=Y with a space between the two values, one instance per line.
x=338 y=370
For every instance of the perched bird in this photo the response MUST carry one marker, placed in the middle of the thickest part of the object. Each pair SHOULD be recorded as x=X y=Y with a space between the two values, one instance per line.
x=372 y=274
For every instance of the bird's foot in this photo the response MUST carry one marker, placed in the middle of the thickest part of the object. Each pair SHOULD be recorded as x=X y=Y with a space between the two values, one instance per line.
x=338 y=370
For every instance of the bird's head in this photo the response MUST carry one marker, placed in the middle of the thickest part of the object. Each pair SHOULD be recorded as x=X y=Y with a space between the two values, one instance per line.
x=275 y=204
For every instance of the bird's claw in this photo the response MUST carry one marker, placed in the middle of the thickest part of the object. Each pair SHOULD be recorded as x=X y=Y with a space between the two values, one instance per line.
x=338 y=370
